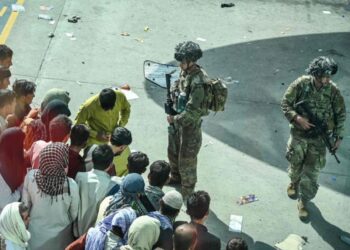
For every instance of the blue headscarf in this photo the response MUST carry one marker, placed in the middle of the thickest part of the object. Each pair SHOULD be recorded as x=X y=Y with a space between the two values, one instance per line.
x=96 y=237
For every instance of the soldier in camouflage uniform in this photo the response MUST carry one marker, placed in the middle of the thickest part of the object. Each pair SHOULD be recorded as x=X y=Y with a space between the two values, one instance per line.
x=306 y=151
x=185 y=136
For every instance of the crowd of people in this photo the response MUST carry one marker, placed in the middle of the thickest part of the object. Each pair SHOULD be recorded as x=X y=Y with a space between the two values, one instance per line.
x=77 y=185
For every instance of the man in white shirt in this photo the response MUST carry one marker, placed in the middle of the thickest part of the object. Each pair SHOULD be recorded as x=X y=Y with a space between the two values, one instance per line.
x=93 y=187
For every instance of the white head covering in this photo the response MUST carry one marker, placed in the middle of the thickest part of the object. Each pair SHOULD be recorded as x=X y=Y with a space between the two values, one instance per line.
x=12 y=226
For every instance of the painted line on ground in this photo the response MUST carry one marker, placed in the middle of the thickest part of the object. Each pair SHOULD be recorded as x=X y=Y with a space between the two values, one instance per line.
x=10 y=22
x=3 y=10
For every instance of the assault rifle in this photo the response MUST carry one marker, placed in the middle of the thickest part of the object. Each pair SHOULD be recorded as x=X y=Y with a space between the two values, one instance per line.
x=168 y=105
x=320 y=128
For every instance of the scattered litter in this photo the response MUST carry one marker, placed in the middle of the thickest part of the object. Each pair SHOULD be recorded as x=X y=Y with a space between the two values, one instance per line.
x=79 y=83
x=69 y=34
x=73 y=38
x=18 y=8
x=139 y=40
x=201 y=39
x=51 y=35
x=52 y=22
x=235 y=224
x=320 y=50
x=124 y=34
x=229 y=80
x=227 y=5
x=146 y=29
x=209 y=143
x=45 y=8
x=125 y=86
x=282 y=83
x=326 y=12
x=45 y=17
x=74 y=19
x=247 y=199
x=276 y=71
x=292 y=242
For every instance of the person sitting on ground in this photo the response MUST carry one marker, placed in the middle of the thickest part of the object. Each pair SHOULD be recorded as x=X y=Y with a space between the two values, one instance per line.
x=38 y=129
x=60 y=128
x=112 y=232
x=157 y=178
x=53 y=199
x=198 y=209
x=236 y=244
x=120 y=140
x=129 y=194
x=7 y=106
x=185 y=237
x=6 y=54
x=78 y=139
x=143 y=234
x=14 y=220
x=5 y=75
x=103 y=113
x=12 y=166
x=170 y=206
x=93 y=186
x=25 y=92
x=55 y=94
x=137 y=163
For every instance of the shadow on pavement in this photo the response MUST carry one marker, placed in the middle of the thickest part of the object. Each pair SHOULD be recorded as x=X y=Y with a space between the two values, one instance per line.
x=253 y=122
x=328 y=232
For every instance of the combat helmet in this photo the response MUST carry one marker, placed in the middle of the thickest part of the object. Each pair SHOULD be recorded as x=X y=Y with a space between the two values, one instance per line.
x=188 y=51
x=321 y=66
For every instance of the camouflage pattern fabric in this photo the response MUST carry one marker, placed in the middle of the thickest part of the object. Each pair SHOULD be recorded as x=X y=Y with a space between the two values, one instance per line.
x=307 y=155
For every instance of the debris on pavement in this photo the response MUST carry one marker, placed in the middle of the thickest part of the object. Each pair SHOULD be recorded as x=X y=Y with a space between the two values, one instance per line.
x=52 y=22
x=71 y=36
x=320 y=50
x=276 y=71
x=74 y=19
x=292 y=242
x=229 y=80
x=79 y=83
x=18 y=8
x=227 y=5
x=207 y=144
x=235 y=224
x=45 y=8
x=201 y=39
x=326 y=12
x=45 y=17
x=51 y=35
x=124 y=34
x=247 y=199
x=140 y=40
x=146 y=29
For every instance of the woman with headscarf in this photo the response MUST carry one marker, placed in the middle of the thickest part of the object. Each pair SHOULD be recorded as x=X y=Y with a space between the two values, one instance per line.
x=143 y=234
x=36 y=130
x=112 y=232
x=14 y=219
x=129 y=193
x=53 y=199
x=12 y=166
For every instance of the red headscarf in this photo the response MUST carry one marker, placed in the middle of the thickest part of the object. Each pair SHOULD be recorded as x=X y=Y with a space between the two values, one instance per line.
x=12 y=166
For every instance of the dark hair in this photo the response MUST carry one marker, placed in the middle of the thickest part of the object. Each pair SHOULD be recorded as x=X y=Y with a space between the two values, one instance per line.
x=23 y=88
x=321 y=66
x=59 y=128
x=159 y=173
x=168 y=210
x=198 y=204
x=107 y=98
x=79 y=135
x=117 y=231
x=236 y=244
x=137 y=162
x=6 y=97
x=184 y=236
x=22 y=208
x=4 y=73
x=5 y=52
x=121 y=136
x=102 y=157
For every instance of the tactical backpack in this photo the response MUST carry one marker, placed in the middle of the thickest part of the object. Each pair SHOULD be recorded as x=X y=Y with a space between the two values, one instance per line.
x=216 y=92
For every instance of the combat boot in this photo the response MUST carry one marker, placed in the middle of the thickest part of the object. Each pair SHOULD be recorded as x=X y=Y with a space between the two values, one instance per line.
x=303 y=213
x=292 y=190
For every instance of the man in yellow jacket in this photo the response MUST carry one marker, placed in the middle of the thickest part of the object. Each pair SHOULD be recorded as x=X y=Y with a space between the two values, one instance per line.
x=102 y=113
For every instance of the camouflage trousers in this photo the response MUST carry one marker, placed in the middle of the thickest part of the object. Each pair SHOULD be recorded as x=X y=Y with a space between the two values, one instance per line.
x=183 y=148
x=307 y=156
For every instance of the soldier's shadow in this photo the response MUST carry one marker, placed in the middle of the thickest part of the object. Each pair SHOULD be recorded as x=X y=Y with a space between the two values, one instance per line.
x=329 y=233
